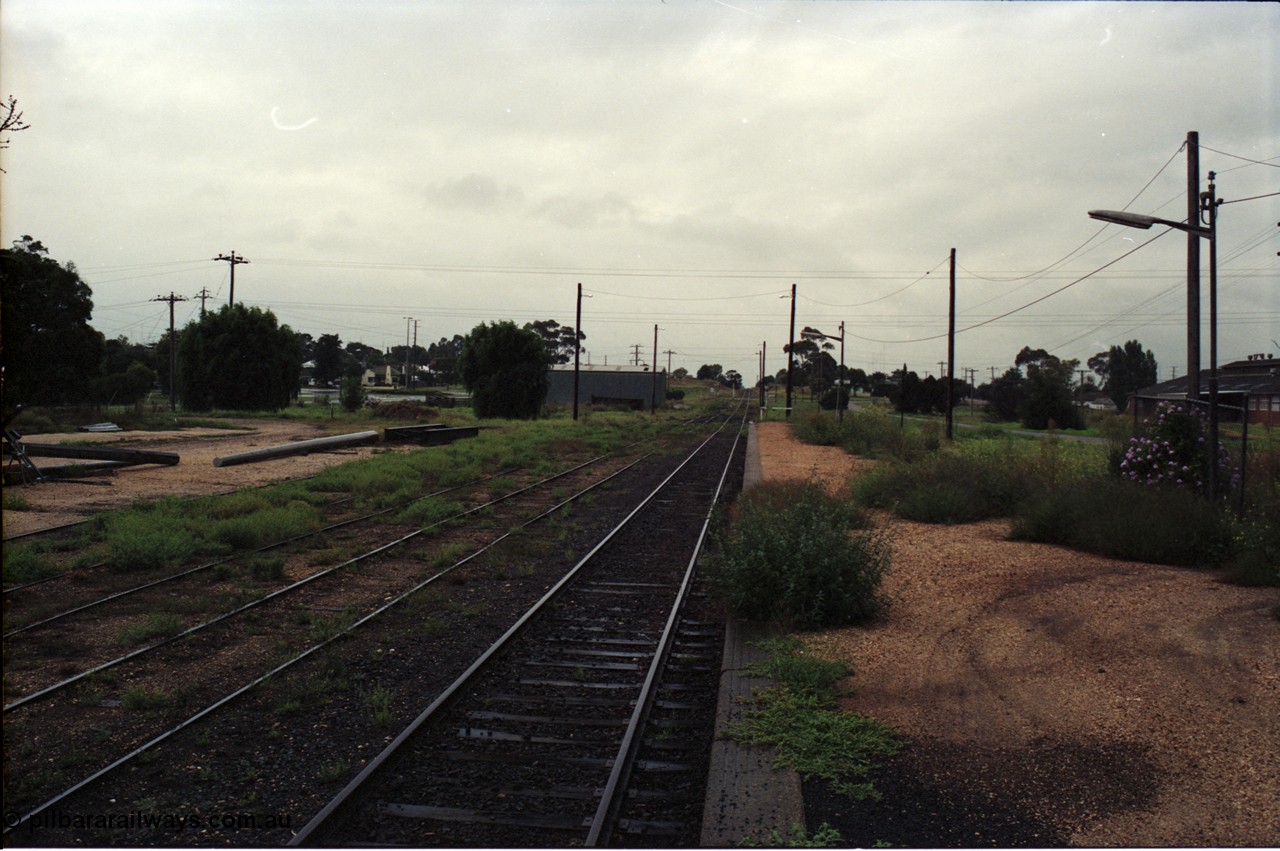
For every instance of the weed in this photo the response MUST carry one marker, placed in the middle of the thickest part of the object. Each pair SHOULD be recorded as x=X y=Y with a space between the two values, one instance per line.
x=268 y=567
x=825 y=836
x=813 y=736
x=25 y=564
x=380 y=706
x=145 y=539
x=141 y=698
x=332 y=772
x=793 y=554
x=154 y=625
x=15 y=502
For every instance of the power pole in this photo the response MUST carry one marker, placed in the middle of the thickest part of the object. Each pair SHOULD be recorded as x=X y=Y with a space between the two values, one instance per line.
x=173 y=347
x=234 y=261
x=577 y=354
x=204 y=295
x=951 y=343
x=414 y=349
x=669 y=353
x=1193 y=267
x=791 y=345
x=636 y=353
x=407 y=323
x=653 y=390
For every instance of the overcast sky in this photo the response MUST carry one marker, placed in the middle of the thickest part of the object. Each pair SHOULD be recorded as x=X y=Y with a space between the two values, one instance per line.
x=687 y=161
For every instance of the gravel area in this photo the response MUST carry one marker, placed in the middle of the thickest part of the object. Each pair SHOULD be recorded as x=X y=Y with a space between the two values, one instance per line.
x=54 y=503
x=1053 y=697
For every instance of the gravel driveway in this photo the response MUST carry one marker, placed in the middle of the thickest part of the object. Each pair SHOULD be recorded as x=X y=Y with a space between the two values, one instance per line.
x=1054 y=697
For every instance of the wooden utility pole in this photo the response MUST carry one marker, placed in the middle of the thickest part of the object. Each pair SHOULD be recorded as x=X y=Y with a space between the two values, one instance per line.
x=1193 y=266
x=791 y=345
x=234 y=261
x=204 y=295
x=173 y=347
x=951 y=344
x=653 y=390
x=577 y=350
x=669 y=353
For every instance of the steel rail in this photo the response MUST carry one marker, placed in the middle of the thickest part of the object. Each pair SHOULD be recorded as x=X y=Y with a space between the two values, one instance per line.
x=604 y=821
x=481 y=662
x=207 y=565
x=14 y=823
x=293 y=586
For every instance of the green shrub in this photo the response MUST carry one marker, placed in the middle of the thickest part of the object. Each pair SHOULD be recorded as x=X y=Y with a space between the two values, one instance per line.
x=147 y=540
x=154 y=625
x=793 y=555
x=265 y=526
x=1123 y=520
x=15 y=501
x=24 y=563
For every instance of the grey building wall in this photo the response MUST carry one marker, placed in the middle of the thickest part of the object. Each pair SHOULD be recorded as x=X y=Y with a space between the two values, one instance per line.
x=606 y=384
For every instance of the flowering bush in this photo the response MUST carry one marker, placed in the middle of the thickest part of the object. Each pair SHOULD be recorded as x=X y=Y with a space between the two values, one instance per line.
x=1175 y=451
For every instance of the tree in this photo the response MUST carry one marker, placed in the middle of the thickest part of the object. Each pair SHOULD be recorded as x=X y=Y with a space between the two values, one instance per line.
x=505 y=368
x=1048 y=402
x=709 y=372
x=50 y=353
x=561 y=340
x=11 y=122
x=127 y=373
x=679 y=373
x=238 y=358
x=1005 y=395
x=328 y=356
x=1126 y=370
x=732 y=380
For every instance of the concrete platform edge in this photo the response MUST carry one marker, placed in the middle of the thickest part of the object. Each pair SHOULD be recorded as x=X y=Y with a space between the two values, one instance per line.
x=746 y=797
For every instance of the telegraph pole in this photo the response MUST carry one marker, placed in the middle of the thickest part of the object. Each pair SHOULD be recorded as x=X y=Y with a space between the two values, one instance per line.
x=791 y=345
x=234 y=261
x=653 y=391
x=669 y=353
x=636 y=353
x=204 y=295
x=951 y=347
x=407 y=323
x=1193 y=269
x=173 y=346
x=577 y=327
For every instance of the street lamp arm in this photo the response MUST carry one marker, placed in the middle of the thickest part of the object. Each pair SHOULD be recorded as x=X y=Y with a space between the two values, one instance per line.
x=1137 y=220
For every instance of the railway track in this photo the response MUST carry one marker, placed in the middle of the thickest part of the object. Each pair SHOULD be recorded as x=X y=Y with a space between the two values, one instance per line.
x=140 y=739
x=585 y=722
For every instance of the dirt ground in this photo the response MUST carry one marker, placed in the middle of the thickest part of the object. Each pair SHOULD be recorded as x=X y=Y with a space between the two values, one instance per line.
x=54 y=503
x=1118 y=703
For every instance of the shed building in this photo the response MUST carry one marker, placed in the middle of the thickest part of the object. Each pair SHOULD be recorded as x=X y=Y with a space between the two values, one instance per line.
x=1252 y=384
x=632 y=386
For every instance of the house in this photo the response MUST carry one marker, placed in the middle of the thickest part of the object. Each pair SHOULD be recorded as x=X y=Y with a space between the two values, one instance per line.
x=632 y=386
x=387 y=375
x=1251 y=385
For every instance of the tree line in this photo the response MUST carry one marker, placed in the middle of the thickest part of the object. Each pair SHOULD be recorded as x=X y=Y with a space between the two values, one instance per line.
x=242 y=358
x=235 y=358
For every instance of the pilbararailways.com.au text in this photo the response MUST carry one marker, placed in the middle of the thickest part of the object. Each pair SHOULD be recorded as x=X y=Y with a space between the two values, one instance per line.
x=139 y=820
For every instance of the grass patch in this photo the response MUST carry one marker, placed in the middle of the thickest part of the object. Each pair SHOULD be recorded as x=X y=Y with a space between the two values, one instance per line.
x=154 y=625
x=148 y=538
x=25 y=563
x=15 y=501
x=801 y=718
x=797 y=555
x=139 y=698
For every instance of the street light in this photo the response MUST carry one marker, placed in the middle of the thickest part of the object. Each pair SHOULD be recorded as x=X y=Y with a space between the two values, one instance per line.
x=815 y=334
x=1208 y=204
